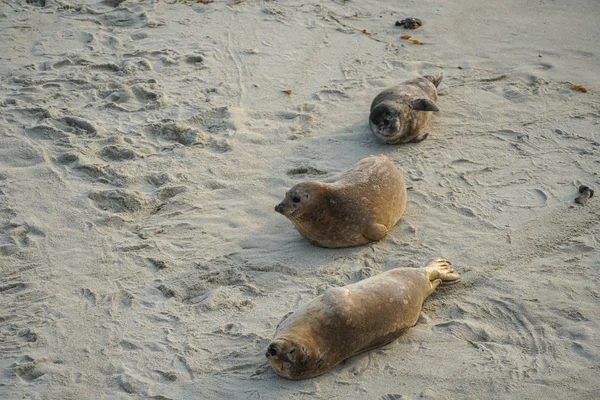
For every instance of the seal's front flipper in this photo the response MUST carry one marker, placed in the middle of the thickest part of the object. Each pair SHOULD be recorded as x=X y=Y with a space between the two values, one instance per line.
x=283 y=319
x=420 y=138
x=423 y=105
x=376 y=232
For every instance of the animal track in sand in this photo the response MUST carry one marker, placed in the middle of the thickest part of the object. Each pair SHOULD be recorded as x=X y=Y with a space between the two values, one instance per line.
x=14 y=237
x=89 y=296
x=119 y=200
x=176 y=132
x=130 y=384
x=12 y=288
x=331 y=95
x=503 y=329
x=212 y=286
x=213 y=120
x=131 y=202
x=147 y=92
x=122 y=17
x=159 y=179
x=78 y=126
x=29 y=369
x=303 y=171
x=104 y=173
x=136 y=65
x=15 y=153
x=27 y=335
x=170 y=376
x=46 y=132
x=117 y=153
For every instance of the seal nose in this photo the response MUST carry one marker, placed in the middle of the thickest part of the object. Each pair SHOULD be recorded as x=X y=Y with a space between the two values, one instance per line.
x=279 y=208
x=272 y=350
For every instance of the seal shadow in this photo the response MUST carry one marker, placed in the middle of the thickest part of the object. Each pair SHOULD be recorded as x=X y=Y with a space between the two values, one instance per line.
x=362 y=142
x=278 y=239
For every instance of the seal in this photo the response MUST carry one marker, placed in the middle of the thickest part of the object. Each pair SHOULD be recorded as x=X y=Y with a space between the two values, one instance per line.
x=360 y=207
x=410 y=23
x=399 y=114
x=348 y=320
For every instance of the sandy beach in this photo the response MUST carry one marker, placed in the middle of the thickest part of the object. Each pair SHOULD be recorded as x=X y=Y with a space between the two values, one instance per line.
x=144 y=145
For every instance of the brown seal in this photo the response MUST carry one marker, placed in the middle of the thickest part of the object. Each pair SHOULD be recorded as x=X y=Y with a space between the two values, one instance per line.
x=399 y=114
x=348 y=320
x=358 y=208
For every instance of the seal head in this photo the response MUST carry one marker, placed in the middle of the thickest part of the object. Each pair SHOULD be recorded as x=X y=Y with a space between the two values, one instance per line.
x=390 y=119
x=292 y=359
x=399 y=114
x=300 y=200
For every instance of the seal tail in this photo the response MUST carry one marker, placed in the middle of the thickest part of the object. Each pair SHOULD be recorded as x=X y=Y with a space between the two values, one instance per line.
x=435 y=79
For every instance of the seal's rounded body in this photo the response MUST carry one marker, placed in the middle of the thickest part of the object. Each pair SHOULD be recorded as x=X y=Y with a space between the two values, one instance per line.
x=358 y=208
x=348 y=320
x=399 y=114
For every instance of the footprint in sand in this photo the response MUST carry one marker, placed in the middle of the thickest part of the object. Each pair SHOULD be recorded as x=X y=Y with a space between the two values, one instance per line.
x=304 y=171
x=176 y=132
x=11 y=288
x=117 y=153
x=78 y=126
x=29 y=369
x=119 y=200
x=14 y=237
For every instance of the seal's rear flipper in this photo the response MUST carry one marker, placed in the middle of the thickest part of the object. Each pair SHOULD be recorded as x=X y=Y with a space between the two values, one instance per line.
x=376 y=232
x=441 y=269
x=435 y=79
x=423 y=105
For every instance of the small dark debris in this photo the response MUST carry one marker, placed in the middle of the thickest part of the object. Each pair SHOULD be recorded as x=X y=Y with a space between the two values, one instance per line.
x=586 y=194
x=410 y=23
x=159 y=264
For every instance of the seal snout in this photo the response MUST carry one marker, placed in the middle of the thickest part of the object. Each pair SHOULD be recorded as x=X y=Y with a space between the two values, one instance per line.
x=272 y=350
x=279 y=208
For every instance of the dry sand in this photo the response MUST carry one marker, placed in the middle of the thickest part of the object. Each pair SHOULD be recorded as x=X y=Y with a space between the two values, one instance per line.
x=143 y=146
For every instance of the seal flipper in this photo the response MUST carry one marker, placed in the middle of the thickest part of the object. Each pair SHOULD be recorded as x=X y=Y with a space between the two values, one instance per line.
x=283 y=319
x=419 y=138
x=442 y=270
x=415 y=124
x=376 y=232
x=435 y=79
x=423 y=105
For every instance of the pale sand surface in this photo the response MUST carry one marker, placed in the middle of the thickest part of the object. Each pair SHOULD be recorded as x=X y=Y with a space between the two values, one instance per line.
x=144 y=146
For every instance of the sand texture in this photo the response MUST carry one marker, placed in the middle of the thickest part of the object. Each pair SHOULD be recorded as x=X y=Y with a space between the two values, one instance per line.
x=144 y=145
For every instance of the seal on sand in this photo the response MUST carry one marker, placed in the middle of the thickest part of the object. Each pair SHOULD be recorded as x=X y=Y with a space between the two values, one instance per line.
x=348 y=320
x=399 y=114
x=358 y=208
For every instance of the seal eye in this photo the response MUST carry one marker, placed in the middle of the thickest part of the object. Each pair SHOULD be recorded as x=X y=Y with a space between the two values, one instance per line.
x=296 y=199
